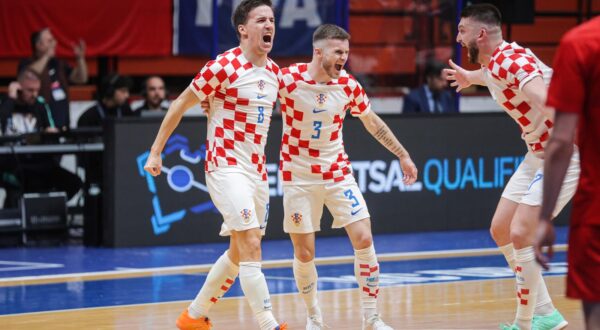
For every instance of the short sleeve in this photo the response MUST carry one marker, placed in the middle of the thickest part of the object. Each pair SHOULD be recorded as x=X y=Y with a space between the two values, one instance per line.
x=567 y=87
x=521 y=69
x=359 y=102
x=210 y=79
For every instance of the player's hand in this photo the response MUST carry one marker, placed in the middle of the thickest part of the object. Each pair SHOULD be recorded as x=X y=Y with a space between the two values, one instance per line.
x=207 y=104
x=409 y=170
x=79 y=49
x=458 y=76
x=13 y=90
x=153 y=164
x=544 y=237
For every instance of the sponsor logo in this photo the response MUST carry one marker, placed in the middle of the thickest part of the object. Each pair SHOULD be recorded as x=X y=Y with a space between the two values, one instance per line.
x=354 y=212
x=319 y=110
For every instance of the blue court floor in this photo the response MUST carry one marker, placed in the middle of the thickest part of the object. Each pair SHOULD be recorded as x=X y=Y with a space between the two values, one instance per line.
x=39 y=263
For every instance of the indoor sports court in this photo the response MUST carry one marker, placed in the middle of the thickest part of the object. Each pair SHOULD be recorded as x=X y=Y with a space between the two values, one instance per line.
x=132 y=135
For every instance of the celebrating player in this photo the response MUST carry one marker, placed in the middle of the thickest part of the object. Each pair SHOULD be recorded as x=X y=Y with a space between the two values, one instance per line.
x=244 y=84
x=315 y=169
x=518 y=81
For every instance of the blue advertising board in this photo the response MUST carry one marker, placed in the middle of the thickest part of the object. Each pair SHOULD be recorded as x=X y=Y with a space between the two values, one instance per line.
x=203 y=27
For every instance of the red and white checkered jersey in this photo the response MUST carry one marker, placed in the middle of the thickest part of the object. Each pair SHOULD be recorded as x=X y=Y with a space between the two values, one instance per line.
x=244 y=96
x=509 y=69
x=312 y=149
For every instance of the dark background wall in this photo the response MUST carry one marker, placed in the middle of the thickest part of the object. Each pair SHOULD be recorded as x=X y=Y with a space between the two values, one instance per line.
x=464 y=162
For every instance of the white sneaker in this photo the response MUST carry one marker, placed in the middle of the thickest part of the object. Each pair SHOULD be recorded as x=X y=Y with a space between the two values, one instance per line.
x=314 y=322
x=375 y=323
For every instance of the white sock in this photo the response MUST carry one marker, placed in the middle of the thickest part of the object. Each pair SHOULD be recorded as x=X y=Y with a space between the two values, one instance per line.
x=256 y=291
x=529 y=276
x=219 y=279
x=544 y=304
x=366 y=270
x=305 y=274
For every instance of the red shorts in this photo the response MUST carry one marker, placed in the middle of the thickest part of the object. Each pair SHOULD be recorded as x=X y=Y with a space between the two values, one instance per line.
x=583 y=279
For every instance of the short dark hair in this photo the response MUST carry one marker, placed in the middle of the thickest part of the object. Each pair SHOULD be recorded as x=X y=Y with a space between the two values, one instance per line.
x=35 y=38
x=113 y=81
x=434 y=69
x=483 y=12
x=240 y=14
x=330 y=31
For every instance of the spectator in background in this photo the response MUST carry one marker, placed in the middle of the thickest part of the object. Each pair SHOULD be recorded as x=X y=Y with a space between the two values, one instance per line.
x=55 y=74
x=112 y=101
x=433 y=96
x=22 y=113
x=154 y=94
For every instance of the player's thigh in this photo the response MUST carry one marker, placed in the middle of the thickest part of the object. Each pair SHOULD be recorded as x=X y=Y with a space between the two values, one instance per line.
x=345 y=202
x=359 y=233
x=233 y=195
x=302 y=208
x=304 y=246
x=569 y=185
x=500 y=227
x=523 y=225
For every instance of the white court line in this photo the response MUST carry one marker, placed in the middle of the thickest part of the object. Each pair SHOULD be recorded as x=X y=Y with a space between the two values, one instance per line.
x=22 y=265
x=280 y=263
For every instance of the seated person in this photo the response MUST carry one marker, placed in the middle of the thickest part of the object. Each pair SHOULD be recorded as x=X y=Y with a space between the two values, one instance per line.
x=433 y=96
x=153 y=91
x=24 y=113
x=112 y=101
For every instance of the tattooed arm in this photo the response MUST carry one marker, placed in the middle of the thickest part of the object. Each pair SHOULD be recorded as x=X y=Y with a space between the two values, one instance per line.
x=382 y=133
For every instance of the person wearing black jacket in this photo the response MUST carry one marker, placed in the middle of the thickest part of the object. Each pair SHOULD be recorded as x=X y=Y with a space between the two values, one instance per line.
x=25 y=112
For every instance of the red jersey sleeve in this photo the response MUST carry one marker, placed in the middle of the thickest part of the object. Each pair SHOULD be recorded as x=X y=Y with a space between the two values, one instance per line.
x=211 y=78
x=359 y=102
x=566 y=92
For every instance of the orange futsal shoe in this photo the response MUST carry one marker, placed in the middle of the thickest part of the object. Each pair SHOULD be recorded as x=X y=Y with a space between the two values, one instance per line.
x=185 y=322
x=282 y=326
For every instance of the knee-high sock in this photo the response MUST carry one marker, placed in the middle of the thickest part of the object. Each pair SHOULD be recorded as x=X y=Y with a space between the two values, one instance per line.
x=529 y=276
x=256 y=291
x=366 y=270
x=305 y=274
x=219 y=279
x=544 y=304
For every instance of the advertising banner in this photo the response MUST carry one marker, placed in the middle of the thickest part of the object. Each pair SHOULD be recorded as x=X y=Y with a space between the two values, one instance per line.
x=203 y=27
x=464 y=163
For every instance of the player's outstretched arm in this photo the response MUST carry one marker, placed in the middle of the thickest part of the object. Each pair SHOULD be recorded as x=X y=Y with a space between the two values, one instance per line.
x=184 y=101
x=382 y=133
x=461 y=78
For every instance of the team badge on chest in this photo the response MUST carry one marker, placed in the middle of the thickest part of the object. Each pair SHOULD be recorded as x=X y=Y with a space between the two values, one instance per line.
x=321 y=99
x=261 y=85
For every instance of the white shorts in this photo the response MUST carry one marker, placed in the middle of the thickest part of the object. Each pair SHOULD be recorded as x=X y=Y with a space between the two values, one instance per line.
x=303 y=205
x=526 y=184
x=242 y=200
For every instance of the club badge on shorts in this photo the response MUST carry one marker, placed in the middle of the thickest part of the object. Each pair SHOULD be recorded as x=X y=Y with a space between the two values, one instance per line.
x=297 y=218
x=246 y=215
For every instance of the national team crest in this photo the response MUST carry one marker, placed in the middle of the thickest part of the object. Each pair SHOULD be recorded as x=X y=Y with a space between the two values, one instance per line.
x=261 y=85
x=297 y=218
x=321 y=99
x=246 y=214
